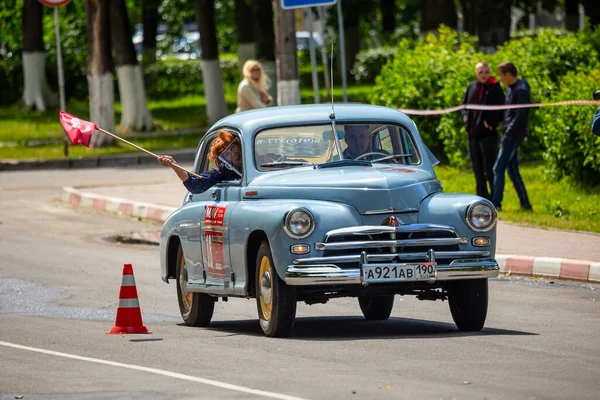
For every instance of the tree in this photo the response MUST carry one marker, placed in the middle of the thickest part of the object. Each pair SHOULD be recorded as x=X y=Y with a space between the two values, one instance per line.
x=493 y=23
x=36 y=93
x=135 y=114
x=245 y=31
x=216 y=108
x=99 y=70
x=437 y=12
x=592 y=11
x=469 y=13
x=264 y=33
x=288 y=86
x=150 y=26
x=388 y=17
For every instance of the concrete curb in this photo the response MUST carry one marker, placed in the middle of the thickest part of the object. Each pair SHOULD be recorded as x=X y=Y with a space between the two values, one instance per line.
x=547 y=267
x=184 y=155
x=130 y=208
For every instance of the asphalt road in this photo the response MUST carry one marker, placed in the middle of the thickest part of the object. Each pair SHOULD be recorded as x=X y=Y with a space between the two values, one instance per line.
x=59 y=285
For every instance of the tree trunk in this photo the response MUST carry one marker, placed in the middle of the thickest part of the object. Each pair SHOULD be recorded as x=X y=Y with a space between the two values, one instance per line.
x=288 y=86
x=36 y=93
x=493 y=23
x=244 y=22
x=99 y=71
x=150 y=24
x=135 y=114
x=572 y=15
x=352 y=41
x=264 y=32
x=592 y=11
x=436 y=12
x=216 y=108
x=388 y=17
x=469 y=13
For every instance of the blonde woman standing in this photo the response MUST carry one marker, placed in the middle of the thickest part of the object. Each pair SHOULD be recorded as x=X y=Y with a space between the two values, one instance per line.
x=252 y=91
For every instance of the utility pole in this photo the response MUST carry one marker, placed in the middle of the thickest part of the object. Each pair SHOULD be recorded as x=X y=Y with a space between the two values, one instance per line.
x=288 y=86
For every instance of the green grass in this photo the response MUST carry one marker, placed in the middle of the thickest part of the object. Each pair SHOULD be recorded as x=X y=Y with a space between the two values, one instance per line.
x=558 y=205
x=154 y=144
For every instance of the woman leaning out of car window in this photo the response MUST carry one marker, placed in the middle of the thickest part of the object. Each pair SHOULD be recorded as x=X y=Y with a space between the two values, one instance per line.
x=225 y=142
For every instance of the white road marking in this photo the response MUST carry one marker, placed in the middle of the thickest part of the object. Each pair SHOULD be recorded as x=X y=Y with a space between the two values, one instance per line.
x=156 y=371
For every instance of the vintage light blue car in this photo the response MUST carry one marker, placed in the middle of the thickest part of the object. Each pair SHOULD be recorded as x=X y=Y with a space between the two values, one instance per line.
x=332 y=203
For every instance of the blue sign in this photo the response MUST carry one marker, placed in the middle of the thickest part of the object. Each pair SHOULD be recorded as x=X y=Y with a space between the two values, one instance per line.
x=286 y=4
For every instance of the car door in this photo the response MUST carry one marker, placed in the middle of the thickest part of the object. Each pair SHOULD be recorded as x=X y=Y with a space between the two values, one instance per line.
x=219 y=202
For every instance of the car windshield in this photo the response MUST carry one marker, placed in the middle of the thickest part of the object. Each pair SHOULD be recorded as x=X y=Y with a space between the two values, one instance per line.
x=288 y=147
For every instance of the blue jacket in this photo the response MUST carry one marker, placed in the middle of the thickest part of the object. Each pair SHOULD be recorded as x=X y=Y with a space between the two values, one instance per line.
x=596 y=123
x=209 y=179
x=515 y=121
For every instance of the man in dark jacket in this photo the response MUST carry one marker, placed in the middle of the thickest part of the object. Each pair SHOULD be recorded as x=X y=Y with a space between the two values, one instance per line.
x=482 y=127
x=596 y=123
x=515 y=130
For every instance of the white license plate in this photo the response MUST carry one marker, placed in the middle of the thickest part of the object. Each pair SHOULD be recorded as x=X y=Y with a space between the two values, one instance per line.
x=399 y=272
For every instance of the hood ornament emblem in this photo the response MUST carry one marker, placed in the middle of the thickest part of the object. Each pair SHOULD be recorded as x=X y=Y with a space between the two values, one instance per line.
x=392 y=221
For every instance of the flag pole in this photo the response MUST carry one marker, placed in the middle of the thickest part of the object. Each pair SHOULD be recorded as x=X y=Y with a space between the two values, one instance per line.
x=146 y=151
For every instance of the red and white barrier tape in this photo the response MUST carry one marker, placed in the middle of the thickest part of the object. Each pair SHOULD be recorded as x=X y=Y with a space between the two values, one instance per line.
x=494 y=108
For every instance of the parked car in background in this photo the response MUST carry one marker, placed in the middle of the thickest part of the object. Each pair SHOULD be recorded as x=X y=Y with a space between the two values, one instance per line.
x=308 y=222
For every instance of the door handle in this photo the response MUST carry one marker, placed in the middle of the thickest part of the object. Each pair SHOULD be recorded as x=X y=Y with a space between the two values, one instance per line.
x=214 y=194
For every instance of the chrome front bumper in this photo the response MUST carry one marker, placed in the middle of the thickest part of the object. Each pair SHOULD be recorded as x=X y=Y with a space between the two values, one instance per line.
x=330 y=274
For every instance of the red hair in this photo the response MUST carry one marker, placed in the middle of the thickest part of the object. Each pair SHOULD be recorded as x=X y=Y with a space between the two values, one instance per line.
x=223 y=139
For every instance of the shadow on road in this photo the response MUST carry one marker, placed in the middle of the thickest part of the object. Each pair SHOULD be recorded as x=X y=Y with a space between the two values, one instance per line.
x=357 y=328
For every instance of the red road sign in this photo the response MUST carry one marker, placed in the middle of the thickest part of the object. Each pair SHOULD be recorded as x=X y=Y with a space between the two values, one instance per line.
x=54 y=3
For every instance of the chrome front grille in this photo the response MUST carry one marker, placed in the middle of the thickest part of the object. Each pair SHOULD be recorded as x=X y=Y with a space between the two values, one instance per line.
x=404 y=243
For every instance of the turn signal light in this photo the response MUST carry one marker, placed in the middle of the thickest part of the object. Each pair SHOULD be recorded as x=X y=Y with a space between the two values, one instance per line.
x=481 y=241
x=300 y=249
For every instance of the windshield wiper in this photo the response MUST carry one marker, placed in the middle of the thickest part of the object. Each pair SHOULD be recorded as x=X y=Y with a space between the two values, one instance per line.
x=284 y=164
x=392 y=157
x=345 y=161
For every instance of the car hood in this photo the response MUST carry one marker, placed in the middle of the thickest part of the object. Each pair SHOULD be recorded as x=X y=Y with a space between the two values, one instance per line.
x=367 y=189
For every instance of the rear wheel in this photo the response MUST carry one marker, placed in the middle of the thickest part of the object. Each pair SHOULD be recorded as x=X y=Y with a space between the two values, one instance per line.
x=276 y=301
x=376 y=307
x=196 y=308
x=468 y=301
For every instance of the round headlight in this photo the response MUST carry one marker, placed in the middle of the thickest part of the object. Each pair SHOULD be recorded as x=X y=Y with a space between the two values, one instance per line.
x=481 y=217
x=299 y=223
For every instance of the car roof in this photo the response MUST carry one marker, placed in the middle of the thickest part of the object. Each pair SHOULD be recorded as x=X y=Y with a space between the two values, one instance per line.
x=254 y=120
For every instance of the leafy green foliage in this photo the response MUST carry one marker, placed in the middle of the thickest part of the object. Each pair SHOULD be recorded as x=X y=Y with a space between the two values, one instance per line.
x=572 y=150
x=170 y=79
x=369 y=63
x=434 y=74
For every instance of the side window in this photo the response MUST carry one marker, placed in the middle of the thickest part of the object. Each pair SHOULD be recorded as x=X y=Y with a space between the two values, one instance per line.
x=207 y=164
x=408 y=147
x=383 y=141
x=231 y=159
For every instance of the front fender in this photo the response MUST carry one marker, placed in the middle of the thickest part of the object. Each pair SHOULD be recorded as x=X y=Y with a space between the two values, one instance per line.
x=451 y=209
x=268 y=216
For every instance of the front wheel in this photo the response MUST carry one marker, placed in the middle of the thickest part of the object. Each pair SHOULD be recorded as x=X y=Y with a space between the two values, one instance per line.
x=468 y=301
x=376 y=308
x=276 y=301
x=196 y=308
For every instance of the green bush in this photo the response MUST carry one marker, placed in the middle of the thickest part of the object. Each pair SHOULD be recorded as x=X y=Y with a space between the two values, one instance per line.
x=434 y=74
x=11 y=81
x=418 y=76
x=170 y=79
x=369 y=63
x=572 y=150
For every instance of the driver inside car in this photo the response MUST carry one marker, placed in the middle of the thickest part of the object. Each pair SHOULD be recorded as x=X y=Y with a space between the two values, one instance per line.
x=358 y=139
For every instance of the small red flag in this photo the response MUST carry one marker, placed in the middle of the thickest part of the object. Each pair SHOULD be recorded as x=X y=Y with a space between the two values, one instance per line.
x=78 y=130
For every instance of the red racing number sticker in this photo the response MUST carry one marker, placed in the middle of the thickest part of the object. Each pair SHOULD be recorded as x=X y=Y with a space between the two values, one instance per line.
x=214 y=215
x=214 y=251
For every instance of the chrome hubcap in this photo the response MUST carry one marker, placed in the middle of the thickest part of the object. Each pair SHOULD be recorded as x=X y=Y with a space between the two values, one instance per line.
x=265 y=287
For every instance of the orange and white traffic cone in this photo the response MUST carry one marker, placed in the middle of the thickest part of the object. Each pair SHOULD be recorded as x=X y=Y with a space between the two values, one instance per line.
x=129 y=315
